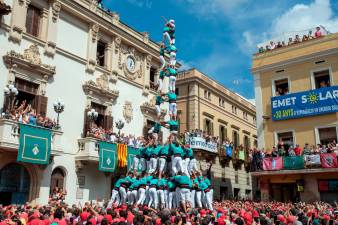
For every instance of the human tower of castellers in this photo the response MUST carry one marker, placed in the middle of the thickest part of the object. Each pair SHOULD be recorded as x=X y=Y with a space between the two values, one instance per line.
x=164 y=176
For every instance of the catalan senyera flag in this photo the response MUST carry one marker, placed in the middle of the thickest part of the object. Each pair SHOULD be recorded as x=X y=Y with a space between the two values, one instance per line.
x=122 y=152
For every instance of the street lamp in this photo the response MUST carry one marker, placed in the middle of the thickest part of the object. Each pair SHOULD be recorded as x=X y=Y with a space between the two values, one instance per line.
x=92 y=116
x=59 y=107
x=119 y=125
x=10 y=95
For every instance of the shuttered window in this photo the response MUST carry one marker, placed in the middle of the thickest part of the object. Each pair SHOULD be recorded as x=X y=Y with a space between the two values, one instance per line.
x=33 y=20
x=26 y=86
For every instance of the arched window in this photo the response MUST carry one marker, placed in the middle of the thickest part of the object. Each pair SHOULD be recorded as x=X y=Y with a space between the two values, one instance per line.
x=14 y=184
x=57 y=179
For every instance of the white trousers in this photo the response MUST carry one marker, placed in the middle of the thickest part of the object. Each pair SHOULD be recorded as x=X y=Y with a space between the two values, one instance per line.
x=173 y=58
x=172 y=200
x=161 y=164
x=153 y=198
x=123 y=195
x=173 y=109
x=141 y=196
x=163 y=63
x=158 y=109
x=176 y=164
x=132 y=197
x=160 y=84
x=172 y=83
x=198 y=197
x=143 y=164
x=178 y=196
x=153 y=165
x=192 y=198
x=207 y=199
x=115 y=198
x=160 y=194
x=185 y=195
x=192 y=167
x=185 y=166
x=136 y=162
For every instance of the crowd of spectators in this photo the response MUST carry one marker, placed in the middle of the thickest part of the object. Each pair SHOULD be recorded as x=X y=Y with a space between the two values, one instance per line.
x=187 y=136
x=292 y=40
x=256 y=156
x=26 y=114
x=110 y=136
x=57 y=195
x=225 y=213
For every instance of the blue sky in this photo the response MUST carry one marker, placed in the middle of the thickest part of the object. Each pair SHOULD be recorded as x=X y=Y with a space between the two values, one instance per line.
x=218 y=37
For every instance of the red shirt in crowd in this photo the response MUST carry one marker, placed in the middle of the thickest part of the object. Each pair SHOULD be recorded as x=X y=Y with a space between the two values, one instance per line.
x=298 y=151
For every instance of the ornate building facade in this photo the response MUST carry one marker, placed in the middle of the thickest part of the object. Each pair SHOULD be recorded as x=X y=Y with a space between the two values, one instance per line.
x=204 y=104
x=74 y=51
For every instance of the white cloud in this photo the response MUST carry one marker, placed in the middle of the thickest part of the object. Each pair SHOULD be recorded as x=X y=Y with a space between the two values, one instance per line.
x=141 y=3
x=299 y=17
x=210 y=8
x=185 y=65
x=302 y=17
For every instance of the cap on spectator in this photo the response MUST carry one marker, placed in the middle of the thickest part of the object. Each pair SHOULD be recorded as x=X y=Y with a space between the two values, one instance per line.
x=203 y=213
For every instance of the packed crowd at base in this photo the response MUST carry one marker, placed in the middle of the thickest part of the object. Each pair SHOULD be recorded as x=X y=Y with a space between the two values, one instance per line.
x=224 y=213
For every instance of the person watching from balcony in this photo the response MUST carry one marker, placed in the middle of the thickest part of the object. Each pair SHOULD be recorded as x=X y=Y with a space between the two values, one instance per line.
x=272 y=45
x=305 y=38
x=298 y=150
x=279 y=45
x=290 y=42
x=318 y=32
x=297 y=39
x=310 y=36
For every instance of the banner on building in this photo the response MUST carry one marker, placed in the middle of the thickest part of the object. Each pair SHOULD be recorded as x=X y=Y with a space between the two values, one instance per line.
x=328 y=160
x=293 y=162
x=132 y=153
x=273 y=163
x=107 y=156
x=35 y=144
x=306 y=103
x=201 y=144
x=312 y=160
x=122 y=152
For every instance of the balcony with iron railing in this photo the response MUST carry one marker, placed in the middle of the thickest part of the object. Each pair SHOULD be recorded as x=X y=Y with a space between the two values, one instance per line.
x=10 y=137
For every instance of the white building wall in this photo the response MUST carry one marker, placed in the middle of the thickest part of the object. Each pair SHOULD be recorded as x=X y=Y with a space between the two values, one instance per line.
x=70 y=61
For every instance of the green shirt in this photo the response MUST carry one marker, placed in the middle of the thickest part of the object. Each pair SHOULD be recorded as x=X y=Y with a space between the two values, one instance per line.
x=162 y=51
x=183 y=180
x=177 y=150
x=157 y=128
x=119 y=182
x=148 y=151
x=164 y=150
x=163 y=73
x=203 y=185
x=156 y=150
x=149 y=178
x=171 y=185
x=162 y=182
x=135 y=184
x=172 y=72
x=159 y=100
x=173 y=125
x=143 y=181
x=189 y=153
x=154 y=181
x=171 y=48
x=171 y=96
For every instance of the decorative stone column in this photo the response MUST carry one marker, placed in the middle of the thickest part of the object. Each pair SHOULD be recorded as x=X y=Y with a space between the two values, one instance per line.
x=54 y=12
x=147 y=65
x=109 y=55
x=18 y=20
x=92 y=47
